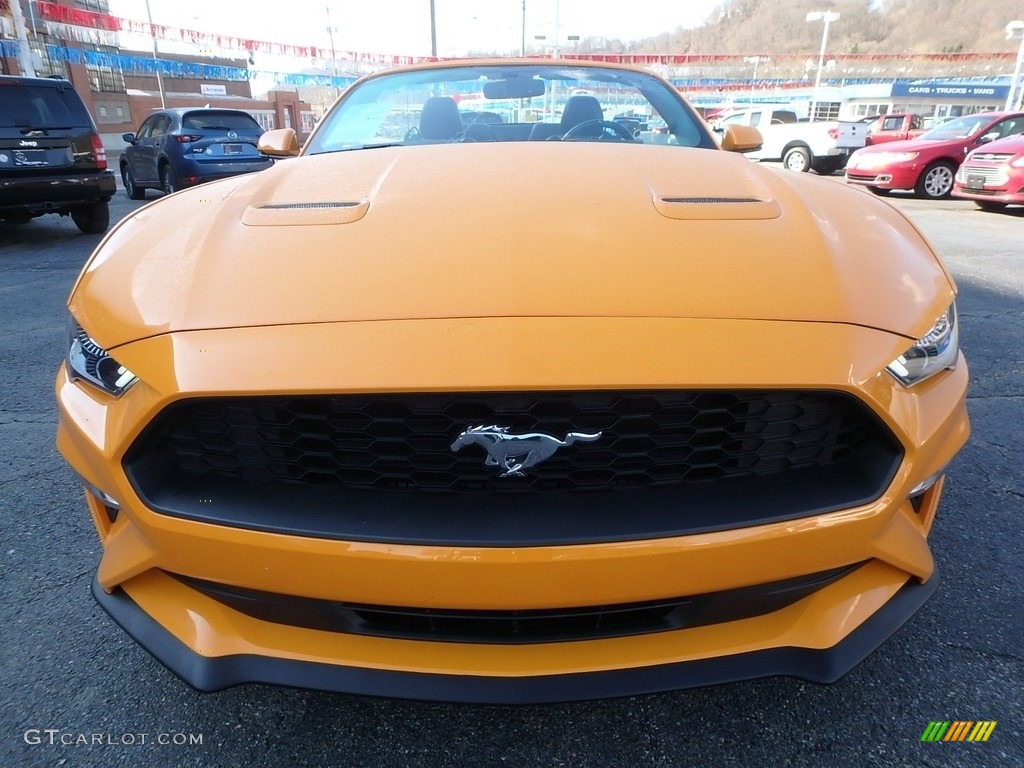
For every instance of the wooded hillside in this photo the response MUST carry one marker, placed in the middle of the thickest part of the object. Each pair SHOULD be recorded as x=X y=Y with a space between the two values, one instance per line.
x=865 y=26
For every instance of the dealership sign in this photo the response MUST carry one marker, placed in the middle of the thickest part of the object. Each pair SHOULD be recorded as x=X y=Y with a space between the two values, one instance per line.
x=951 y=90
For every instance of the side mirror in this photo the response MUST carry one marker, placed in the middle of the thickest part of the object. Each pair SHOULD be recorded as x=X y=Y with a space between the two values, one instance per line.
x=282 y=142
x=741 y=138
x=128 y=137
x=988 y=137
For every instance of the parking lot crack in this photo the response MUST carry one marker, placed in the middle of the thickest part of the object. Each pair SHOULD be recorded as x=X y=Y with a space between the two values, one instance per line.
x=26 y=417
x=987 y=653
x=63 y=583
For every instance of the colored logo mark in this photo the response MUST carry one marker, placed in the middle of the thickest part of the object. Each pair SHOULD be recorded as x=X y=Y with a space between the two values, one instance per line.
x=958 y=730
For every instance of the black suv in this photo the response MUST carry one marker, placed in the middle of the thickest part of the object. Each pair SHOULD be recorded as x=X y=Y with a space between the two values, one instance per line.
x=51 y=157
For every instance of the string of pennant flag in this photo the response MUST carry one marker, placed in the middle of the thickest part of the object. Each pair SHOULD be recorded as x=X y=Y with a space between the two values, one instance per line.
x=96 y=24
x=145 y=65
x=102 y=29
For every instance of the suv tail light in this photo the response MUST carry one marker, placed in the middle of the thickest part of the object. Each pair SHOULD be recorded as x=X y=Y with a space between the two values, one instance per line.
x=833 y=133
x=185 y=138
x=99 y=152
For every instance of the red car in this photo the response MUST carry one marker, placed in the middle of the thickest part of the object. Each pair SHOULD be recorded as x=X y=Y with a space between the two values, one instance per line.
x=928 y=163
x=993 y=176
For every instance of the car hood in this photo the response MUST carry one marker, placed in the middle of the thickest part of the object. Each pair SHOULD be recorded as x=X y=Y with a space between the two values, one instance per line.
x=506 y=230
x=913 y=145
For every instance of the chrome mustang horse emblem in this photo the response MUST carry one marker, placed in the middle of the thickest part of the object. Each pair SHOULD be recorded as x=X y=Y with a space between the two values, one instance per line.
x=514 y=453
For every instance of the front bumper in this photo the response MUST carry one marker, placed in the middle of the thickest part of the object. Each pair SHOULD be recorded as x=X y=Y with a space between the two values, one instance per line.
x=214 y=645
x=890 y=177
x=207 y=673
x=1011 y=194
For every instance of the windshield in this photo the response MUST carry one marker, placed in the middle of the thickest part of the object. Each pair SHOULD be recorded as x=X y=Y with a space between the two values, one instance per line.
x=509 y=102
x=961 y=128
x=34 y=106
x=225 y=121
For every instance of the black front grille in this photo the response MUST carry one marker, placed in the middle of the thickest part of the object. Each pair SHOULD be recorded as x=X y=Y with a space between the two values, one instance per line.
x=755 y=454
x=403 y=443
x=520 y=626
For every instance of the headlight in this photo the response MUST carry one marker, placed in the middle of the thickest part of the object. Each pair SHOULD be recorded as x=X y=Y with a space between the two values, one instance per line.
x=1018 y=162
x=898 y=157
x=88 y=361
x=935 y=352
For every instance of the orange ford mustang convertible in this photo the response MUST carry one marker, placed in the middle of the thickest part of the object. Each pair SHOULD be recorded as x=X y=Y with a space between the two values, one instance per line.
x=491 y=394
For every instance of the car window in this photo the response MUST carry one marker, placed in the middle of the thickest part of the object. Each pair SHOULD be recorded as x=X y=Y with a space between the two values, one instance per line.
x=1009 y=127
x=739 y=119
x=160 y=125
x=960 y=128
x=146 y=128
x=423 y=105
x=27 y=106
x=213 y=120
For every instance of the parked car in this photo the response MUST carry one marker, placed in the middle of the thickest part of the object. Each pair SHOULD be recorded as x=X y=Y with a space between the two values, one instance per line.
x=993 y=176
x=182 y=147
x=800 y=145
x=51 y=157
x=895 y=126
x=530 y=415
x=928 y=163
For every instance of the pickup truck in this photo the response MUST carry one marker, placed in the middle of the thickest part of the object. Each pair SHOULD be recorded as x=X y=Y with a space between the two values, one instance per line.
x=895 y=126
x=800 y=145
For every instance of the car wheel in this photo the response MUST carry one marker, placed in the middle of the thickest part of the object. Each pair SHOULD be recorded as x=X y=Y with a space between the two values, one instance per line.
x=128 y=178
x=827 y=166
x=168 y=183
x=986 y=205
x=92 y=219
x=797 y=159
x=936 y=181
x=880 y=191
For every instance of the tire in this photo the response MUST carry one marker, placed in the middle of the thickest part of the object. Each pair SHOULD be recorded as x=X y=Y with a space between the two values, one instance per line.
x=880 y=191
x=128 y=179
x=797 y=159
x=986 y=205
x=827 y=166
x=935 y=181
x=168 y=182
x=92 y=219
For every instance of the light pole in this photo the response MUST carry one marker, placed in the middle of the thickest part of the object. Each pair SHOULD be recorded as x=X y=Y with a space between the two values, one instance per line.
x=522 y=44
x=433 y=30
x=755 y=60
x=156 y=61
x=828 y=17
x=1013 y=29
x=334 y=54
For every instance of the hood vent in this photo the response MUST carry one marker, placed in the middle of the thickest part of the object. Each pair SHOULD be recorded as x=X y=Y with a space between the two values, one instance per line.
x=304 y=214
x=717 y=208
x=294 y=206
x=710 y=200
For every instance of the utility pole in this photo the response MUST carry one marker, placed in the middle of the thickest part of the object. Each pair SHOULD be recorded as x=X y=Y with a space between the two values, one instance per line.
x=24 y=52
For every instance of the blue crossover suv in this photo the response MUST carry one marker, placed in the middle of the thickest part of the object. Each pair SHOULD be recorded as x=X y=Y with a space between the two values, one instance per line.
x=178 y=148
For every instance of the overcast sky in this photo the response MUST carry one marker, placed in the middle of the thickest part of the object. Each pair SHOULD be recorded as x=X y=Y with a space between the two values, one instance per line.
x=403 y=26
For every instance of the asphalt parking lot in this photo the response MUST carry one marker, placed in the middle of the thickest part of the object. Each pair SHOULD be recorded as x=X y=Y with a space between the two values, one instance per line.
x=78 y=691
